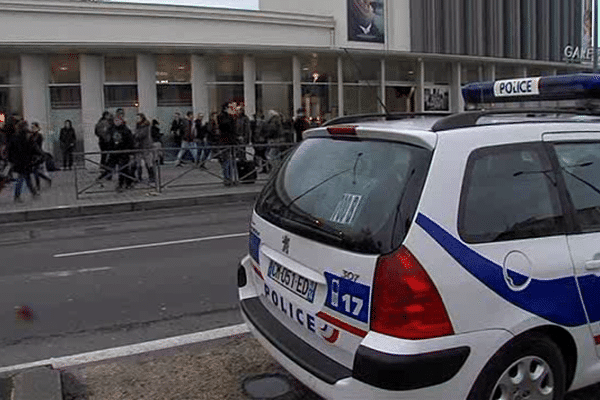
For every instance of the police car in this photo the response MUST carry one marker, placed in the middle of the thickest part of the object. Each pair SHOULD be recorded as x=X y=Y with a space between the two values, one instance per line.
x=429 y=257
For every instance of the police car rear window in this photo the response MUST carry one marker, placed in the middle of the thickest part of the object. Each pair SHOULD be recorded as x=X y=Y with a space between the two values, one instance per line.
x=355 y=194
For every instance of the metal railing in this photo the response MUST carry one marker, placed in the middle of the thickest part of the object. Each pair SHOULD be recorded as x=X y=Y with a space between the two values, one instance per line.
x=247 y=164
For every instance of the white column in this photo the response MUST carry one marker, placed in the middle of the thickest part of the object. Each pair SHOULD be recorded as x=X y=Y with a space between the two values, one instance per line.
x=91 y=69
x=250 y=85
x=420 y=92
x=200 y=93
x=296 y=85
x=457 y=103
x=382 y=86
x=34 y=75
x=340 y=73
x=146 y=82
x=490 y=72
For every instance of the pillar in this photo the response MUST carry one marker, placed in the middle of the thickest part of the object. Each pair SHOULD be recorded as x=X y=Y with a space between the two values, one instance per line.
x=92 y=99
x=200 y=93
x=296 y=85
x=34 y=77
x=250 y=85
x=146 y=80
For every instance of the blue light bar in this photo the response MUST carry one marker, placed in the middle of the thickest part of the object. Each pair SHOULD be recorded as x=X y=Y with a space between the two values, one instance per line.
x=559 y=87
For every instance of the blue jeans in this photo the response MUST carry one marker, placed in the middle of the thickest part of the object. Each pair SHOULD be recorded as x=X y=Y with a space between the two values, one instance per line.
x=188 y=146
x=203 y=151
x=19 y=184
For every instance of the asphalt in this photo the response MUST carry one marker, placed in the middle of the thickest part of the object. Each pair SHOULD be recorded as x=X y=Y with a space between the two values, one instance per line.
x=77 y=193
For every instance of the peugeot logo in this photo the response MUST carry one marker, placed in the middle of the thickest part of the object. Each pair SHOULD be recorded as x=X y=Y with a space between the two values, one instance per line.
x=286 y=244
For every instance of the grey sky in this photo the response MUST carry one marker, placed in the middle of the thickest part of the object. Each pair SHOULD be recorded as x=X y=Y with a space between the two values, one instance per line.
x=241 y=4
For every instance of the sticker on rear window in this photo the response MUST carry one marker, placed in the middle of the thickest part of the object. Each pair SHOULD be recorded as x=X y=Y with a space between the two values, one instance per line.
x=346 y=209
x=347 y=297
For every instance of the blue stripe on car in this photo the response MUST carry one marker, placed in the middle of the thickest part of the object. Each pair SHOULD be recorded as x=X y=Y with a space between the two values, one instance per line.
x=556 y=300
x=253 y=245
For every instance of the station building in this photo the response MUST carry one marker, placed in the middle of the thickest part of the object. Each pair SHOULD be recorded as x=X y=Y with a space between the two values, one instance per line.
x=74 y=59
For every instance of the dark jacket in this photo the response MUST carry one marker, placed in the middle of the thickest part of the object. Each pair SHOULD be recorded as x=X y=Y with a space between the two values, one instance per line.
x=22 y=152
x=226 y=128
x=67 y=139
x=122 y=139
x=178 y=129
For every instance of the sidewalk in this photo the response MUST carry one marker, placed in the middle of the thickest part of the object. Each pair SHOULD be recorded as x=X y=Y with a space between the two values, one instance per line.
x=182 y=186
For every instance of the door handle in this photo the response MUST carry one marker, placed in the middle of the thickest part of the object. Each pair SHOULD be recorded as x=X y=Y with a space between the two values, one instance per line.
x=592 y=264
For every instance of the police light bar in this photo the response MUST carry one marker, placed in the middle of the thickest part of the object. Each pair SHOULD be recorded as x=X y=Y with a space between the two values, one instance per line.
x=559 y=87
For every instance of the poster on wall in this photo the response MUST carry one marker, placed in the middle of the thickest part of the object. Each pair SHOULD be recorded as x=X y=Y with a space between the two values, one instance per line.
x=366 y=21
x=436 y=99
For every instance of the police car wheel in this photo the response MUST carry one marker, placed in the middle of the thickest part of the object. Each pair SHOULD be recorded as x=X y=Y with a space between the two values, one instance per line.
x=531 y=368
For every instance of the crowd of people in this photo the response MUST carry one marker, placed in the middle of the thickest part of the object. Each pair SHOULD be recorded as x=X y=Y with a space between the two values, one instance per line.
x=22 y=156
x=229 y=136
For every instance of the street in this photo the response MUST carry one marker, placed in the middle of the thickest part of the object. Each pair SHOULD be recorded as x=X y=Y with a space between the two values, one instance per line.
x=118 y=279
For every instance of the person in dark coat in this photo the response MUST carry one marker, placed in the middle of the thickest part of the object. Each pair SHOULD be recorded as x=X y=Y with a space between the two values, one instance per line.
x=122 y=139
x=157 y=141
x=67 y=144
x=103 y=130
x=21 y=153
x=300 y=125
x=39 y=159
x=227 y=138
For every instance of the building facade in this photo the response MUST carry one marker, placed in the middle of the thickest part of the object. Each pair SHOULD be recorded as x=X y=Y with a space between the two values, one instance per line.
x=72 y=60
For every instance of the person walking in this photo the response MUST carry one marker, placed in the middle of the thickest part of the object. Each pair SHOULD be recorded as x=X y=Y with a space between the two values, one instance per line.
x=227 y=139
x=274 y=133
x=177 y=129
x=201 y=133
x=67 y=144
x=300 y=125
x=122 y=140
x=143 y=145
x=39 y=157
x=20 y=154
x=187 y=140
x=157 y=143
x=103 y=130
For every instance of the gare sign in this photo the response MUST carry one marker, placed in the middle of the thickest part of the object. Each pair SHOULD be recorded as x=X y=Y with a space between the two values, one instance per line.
x=575 y=53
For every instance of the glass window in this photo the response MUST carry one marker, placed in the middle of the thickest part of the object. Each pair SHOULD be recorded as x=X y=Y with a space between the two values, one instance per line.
x=580 y=168
x=168 y=95
x=64 y=68
x=120 y=69
x=539 y=71
x=227 y=68
x=400 y=98
x=400 y=70
x=274 y=69
x=317 y=68
x=436 y=98
x=276 y=97
x=173 y=68
x=361 y=99
x=65 y=97
x=220 y=94
x=10 y=70
x=358 y=195
x=471 y=73
x=438 y=72
x=509 y=193
x=504 y=71
x=120 y=96
x=358 y=69
x=319 y=102
x=10 y=101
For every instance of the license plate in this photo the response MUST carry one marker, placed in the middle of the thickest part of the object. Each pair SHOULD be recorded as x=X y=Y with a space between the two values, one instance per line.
x=290 y=280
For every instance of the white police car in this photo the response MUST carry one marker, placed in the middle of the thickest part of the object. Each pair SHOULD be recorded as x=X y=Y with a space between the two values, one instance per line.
x=423 y=257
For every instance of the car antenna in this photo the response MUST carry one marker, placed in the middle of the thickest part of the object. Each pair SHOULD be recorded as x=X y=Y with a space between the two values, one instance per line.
x=366 y=80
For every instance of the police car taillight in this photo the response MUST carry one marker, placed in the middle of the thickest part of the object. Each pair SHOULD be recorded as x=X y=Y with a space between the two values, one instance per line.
x=406 y=303
x=341 y=130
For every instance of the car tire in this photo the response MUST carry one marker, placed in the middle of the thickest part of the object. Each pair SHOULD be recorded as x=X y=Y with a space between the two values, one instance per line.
x=531 y=367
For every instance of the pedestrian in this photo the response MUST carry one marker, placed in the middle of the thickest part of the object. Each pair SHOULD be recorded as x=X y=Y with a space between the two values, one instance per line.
x=242 y=127
x=227 y=139
x=300 y=124
x=67 y=144
x=187 y=140
x=20 y=154
x=103 y=130
x=273 y=128
x=259 y=141
x=157 y=143
x=39 y=156
x=123 y=160
x=143 y=146
x=201 y=133
x=177 y=129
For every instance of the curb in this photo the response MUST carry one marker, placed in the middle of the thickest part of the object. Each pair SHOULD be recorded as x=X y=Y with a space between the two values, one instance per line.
x=122 y=207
